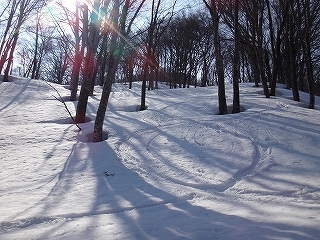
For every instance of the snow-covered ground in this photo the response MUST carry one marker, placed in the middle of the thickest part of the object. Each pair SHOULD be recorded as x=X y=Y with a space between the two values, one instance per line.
x=175 y=171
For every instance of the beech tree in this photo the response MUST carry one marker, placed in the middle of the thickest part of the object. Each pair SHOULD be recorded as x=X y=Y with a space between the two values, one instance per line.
x=213 y=7
x=7 y=34
x=57 y=63
x=154 y=32
x=78 y=49
x=19 y=12
x=120 y=28
x=112 y=67
x=186 y=48
x=92 y=36
x=310 y=16
x=236 y=60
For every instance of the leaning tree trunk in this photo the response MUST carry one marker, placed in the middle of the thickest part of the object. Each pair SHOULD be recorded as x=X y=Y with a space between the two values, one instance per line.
x=15 y=41
x=10 y=59
x=85 y=89
x=89 y=65
x=112 y=68
x=5 y=41
x=35 y=62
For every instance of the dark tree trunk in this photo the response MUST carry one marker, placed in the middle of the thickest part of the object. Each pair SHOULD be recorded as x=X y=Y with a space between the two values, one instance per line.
x=310 y=77
x=292 y=57
x=275 y=70
x=130 y=76
x=219 y=60
x=143 y=90
x=5 y=42
x=35 y=62
x=112 y=66
x=10 y=59
x=15 y=40
x=306 y=45
x=261 y=52
x=236 y=62
x=78 y=57
x=89 y=65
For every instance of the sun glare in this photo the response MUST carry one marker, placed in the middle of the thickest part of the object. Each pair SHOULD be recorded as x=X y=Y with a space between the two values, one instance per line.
x=71 y=4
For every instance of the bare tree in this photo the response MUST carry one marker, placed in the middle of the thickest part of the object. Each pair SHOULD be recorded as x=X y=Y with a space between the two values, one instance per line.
x=78 y=55
x=213 y=8
x=154 y=33
x=310 y=12
x=35 y=62
x=21 y=10
x=121 y=27
x=236 y=60
x=89 y=61
x=112 y=67
x=56 y=65
x=7 y=35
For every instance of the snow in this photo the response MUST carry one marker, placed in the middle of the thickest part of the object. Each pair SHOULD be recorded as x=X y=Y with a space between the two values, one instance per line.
x=174 y=171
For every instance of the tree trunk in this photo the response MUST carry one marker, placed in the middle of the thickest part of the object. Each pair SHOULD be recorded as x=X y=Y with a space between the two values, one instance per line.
x=275 y=70
x=112 y=68
x=5 y=41
x=236 y=62
x=219 y=61
x=130 y=76
x=143 y=89
x=88 y=69
x=15 y=39
x=77 y=57
x=292 y=56
x=10 y=59
x=260 y=55
x=306 y=45
x=35 y=63
x=310 y=76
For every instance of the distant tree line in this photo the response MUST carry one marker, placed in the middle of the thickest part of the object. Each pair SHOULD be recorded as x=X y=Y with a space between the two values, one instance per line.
x=260 y=41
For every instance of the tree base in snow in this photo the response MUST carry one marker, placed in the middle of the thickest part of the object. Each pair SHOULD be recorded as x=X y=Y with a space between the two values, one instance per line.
x=97 y=136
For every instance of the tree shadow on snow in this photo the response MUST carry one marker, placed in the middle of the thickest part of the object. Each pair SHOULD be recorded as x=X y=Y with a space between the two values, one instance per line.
x=125 y=205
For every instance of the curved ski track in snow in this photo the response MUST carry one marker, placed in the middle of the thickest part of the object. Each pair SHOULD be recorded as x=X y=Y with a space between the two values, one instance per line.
x=183 y=138
x=182 y=156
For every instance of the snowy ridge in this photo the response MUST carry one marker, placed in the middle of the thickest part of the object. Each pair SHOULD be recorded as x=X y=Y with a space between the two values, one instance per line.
x=176 y=170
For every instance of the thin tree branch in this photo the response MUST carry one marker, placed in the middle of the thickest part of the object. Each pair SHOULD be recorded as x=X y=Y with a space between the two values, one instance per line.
x=60 y=99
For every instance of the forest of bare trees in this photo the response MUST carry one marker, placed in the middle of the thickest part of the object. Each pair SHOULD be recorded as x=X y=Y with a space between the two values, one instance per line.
x=100 y=42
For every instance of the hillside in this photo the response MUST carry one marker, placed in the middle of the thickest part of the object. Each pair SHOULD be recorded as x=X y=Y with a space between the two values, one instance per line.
x=174 y=171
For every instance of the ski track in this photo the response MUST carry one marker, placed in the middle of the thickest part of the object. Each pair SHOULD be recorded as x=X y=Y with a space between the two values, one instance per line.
x=8 y=226
x=189 y=127
x=262 y=142
x=156 y=128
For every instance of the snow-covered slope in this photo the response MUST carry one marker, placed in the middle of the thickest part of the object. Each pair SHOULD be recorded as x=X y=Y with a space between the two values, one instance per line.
x=175 y=171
